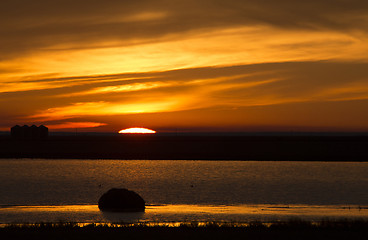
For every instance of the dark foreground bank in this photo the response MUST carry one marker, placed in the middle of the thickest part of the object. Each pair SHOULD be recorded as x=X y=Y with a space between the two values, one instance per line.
x=287 y=230
x=280 y=148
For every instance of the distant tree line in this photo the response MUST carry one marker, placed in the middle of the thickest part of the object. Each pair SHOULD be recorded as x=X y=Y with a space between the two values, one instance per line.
x=32 y=132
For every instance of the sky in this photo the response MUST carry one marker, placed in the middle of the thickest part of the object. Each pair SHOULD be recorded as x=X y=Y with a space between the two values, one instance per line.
x=194 y=65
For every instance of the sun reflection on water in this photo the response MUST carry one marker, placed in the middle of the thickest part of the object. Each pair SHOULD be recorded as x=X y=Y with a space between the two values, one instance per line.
x=175 y=215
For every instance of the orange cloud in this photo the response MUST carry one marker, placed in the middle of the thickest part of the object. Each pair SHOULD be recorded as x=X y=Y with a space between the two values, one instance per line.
x=220 y=47
x=73 y=125
x=103 y=108
x=120 y=88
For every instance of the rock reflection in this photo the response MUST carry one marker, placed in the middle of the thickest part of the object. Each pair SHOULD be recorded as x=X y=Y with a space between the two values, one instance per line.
x=127 y=217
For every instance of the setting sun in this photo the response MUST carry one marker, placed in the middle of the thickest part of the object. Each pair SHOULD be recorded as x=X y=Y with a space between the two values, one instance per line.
x=137 y=130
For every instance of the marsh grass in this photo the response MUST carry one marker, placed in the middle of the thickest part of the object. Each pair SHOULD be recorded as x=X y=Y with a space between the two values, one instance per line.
x=292 y=223
x=292 y=229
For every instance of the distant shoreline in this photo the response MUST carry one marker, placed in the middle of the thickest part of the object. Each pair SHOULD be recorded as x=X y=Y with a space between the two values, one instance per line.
x=158 y=147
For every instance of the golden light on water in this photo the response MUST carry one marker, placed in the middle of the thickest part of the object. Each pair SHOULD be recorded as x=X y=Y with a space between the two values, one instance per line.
x=138 y=130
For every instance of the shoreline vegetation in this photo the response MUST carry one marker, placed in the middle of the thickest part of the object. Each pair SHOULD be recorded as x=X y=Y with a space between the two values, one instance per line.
x=292 y=229
x=151 y=147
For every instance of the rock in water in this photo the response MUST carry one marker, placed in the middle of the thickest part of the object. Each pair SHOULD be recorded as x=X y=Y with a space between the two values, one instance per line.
x=121 y=200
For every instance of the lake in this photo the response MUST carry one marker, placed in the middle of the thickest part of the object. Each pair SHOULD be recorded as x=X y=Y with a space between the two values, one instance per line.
x=34 y=190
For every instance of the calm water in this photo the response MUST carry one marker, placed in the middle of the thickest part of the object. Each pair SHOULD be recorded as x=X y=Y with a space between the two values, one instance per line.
x=50 y=190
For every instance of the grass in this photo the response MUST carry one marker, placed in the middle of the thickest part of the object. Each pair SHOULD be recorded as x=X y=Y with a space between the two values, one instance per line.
x=292 y=229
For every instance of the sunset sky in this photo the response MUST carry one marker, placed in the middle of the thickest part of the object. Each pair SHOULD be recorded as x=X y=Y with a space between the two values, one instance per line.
x=209 y=65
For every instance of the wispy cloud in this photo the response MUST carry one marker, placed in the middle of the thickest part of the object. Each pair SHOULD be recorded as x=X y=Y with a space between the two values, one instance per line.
x=83 y=109
x=73 y=125
x=235 y=87
x=44 y=23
